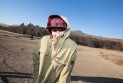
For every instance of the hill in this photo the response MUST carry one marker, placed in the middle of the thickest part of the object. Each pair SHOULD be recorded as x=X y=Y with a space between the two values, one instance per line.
x=82 y=38
x=79 y=37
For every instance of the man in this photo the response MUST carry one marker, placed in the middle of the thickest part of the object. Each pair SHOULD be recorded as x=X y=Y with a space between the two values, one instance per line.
x=55 y=54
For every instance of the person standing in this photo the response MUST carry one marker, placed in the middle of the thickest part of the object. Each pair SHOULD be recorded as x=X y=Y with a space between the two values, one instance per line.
x=55 y=54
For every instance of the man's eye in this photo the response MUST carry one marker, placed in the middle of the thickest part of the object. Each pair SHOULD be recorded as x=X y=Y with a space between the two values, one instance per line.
x=54 y=30
x=61 y=30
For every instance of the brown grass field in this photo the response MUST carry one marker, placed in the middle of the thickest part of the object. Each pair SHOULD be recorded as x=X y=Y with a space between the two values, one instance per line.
x=92 y=65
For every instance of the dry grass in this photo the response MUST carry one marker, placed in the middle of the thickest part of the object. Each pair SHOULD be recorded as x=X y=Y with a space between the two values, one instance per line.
x=116 y=57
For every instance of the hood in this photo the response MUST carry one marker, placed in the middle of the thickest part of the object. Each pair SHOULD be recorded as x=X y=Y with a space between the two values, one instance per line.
x=67 y=31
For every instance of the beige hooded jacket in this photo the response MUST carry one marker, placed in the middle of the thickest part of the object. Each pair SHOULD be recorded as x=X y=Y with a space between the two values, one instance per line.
x=54 y=58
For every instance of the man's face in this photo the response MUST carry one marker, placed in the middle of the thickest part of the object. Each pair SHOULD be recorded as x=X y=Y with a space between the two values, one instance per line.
x=57 y=33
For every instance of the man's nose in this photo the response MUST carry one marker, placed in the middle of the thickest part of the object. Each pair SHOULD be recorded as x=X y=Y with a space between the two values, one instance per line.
x=58 y=32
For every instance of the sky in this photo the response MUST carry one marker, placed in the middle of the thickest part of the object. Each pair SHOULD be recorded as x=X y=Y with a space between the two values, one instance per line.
x=95 y=17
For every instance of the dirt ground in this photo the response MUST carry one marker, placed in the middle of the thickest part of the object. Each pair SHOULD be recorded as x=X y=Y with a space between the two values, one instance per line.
x=92 y=65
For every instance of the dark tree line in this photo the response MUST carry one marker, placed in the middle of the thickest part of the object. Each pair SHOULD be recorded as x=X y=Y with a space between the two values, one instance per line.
x=30 y=30
x=97 y=42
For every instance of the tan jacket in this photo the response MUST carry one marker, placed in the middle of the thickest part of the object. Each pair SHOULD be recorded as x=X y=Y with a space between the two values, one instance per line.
x=54 y=58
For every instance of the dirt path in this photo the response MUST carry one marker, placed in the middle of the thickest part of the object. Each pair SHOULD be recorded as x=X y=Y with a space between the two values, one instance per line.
x=16 y=57
x=92 y=65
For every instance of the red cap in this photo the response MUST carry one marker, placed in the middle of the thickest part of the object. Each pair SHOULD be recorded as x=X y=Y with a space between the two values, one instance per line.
x=55 y=21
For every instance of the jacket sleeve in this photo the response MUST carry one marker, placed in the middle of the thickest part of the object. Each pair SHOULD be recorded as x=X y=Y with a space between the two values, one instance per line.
x=36 y=59
x=65 y=76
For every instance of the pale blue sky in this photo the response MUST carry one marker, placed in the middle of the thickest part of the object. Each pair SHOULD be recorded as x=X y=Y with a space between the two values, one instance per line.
x=96 y=17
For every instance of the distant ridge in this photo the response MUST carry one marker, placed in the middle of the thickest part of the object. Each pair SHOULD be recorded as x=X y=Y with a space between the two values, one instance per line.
x=80 y=33
x=4 y=25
